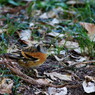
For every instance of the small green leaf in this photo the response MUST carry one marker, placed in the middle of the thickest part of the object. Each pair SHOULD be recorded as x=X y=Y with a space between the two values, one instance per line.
x=13 y=2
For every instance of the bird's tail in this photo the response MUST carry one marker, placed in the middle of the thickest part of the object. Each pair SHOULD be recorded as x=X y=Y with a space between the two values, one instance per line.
x=9 y=55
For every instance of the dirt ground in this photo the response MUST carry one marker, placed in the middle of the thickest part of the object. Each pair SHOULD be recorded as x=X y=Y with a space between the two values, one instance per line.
x=74 y=88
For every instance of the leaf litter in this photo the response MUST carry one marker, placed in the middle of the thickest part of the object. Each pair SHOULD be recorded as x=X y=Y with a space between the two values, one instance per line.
x=52 y=70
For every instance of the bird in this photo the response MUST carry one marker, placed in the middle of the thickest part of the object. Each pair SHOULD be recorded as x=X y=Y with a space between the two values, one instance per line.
x=29 y=57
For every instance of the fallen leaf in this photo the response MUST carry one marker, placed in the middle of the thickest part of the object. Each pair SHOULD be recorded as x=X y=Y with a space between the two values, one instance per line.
x=70 y=63
x=31 y=24
x=59 y=59
x=88 y=87
x=12 y=48
x=89 y=84
x=55 y=34
x=43 y=81
x=55 y=76
x=78 y=50
x=73 y=2
x=27 y=0
x=44 y=16
x=90 y=28
x=54 y=21
x=6 y=86
x=41 y=93
x=25 y=36
x=2 y=30
x=57 y=91
x=63 y=52
x=69 y=44
x=81 y=59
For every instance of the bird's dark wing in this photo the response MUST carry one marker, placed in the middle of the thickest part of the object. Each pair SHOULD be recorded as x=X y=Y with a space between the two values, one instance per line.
x=30 y=58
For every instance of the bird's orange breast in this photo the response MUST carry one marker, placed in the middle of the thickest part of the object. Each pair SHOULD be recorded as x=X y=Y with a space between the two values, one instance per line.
x=39 y=55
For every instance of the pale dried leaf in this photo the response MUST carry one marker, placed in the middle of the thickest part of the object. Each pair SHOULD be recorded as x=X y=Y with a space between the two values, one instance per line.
x=41 y=93
x=80 y=65
x=78 y=50
x=58 y=59
x=55 y=76
x=69 y=44
x=58 y=9
x=63 y=52
x=71 y=63
x=31 y=24
x=3 y=30
x=57 y=91
x=28 y=0
x=55 y=34
x=25 y=35
x=73 y=2
x=90 y=28
x=52 y=14
x=43 y=81
x=6 y=86
x=12 y=48
x=81 y=59
x=54 y=21
x=44 y=16
x=72 y=13
x=88 y=87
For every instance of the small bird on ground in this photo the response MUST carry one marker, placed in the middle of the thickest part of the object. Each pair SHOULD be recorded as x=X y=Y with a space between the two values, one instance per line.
x=30 y=57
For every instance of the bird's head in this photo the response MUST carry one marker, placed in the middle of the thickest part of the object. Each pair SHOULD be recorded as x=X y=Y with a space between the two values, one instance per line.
x=41 y=48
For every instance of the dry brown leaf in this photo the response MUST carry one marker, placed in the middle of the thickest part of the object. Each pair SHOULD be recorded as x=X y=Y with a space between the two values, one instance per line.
x=91 y=78
x=6 y=86
x=90 y=28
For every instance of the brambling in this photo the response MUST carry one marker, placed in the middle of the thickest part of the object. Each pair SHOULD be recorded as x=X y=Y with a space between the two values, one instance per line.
x=29 y=57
